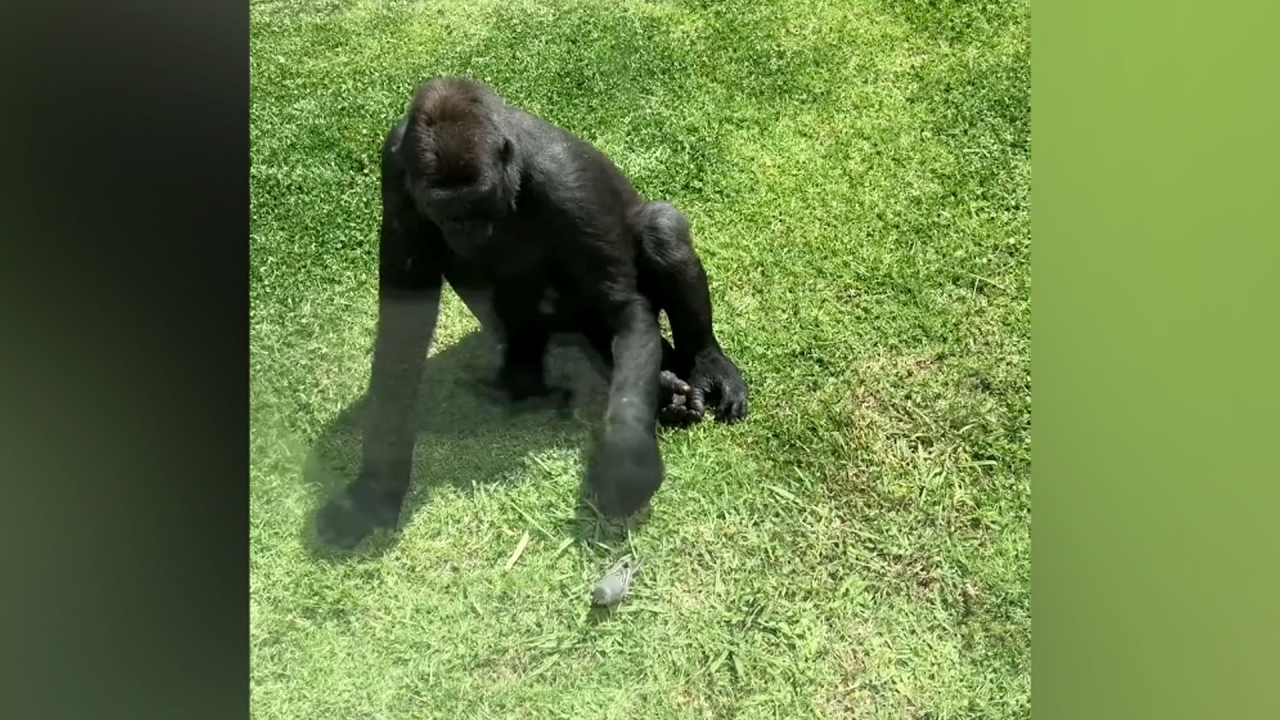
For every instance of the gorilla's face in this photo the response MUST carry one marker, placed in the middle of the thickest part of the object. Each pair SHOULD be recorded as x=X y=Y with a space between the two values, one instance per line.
x=465 y=216
x=461 y=179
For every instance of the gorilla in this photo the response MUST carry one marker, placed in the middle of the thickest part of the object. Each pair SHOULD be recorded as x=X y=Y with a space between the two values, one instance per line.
x=539 y=233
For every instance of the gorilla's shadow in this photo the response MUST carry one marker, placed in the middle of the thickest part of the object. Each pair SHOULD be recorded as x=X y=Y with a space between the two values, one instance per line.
x=469 y=435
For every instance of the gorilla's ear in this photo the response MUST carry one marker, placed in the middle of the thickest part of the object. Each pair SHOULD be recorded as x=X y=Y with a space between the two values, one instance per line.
x=505 y=152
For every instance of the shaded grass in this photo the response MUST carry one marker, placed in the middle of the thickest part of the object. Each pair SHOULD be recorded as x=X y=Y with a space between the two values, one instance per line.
x=858 y=180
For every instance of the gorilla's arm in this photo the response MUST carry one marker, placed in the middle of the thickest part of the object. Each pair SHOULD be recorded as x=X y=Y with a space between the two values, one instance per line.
x=409 y=284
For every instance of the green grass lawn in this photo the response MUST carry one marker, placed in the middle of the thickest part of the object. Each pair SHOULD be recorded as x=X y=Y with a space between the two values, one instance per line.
x=858 y=179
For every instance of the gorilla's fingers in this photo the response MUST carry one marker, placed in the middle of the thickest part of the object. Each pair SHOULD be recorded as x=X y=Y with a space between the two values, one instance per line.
x=673 y=416
x=697 y=402
x=672 y=385
x=734 y=410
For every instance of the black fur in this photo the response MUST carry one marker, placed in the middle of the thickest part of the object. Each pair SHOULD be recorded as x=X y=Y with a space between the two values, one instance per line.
x=538 y=232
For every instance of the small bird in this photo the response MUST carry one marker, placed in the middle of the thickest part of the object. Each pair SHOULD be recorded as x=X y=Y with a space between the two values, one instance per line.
x=612 y=588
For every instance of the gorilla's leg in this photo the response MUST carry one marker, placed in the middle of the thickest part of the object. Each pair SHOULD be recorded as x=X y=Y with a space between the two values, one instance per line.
x=526 y=335
x=672 y=275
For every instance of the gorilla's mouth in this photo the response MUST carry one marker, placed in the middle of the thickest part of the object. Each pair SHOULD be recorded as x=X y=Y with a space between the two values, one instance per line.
x=466 y=239
x=461 y=247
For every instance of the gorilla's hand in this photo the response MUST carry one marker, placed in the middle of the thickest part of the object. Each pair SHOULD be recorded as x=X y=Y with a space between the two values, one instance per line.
x=716 y=378
x=679 y=404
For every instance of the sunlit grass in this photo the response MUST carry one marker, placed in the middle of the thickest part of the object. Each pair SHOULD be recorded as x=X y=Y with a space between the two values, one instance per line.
x=858 y=176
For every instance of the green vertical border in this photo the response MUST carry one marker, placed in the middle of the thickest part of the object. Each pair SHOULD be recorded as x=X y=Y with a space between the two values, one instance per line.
x=1155 y=234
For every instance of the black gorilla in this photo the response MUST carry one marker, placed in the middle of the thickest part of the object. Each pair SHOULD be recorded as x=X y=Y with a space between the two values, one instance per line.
x=539 y=233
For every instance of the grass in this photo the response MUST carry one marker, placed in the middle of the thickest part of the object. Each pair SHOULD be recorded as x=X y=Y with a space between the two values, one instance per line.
x=858 y=177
